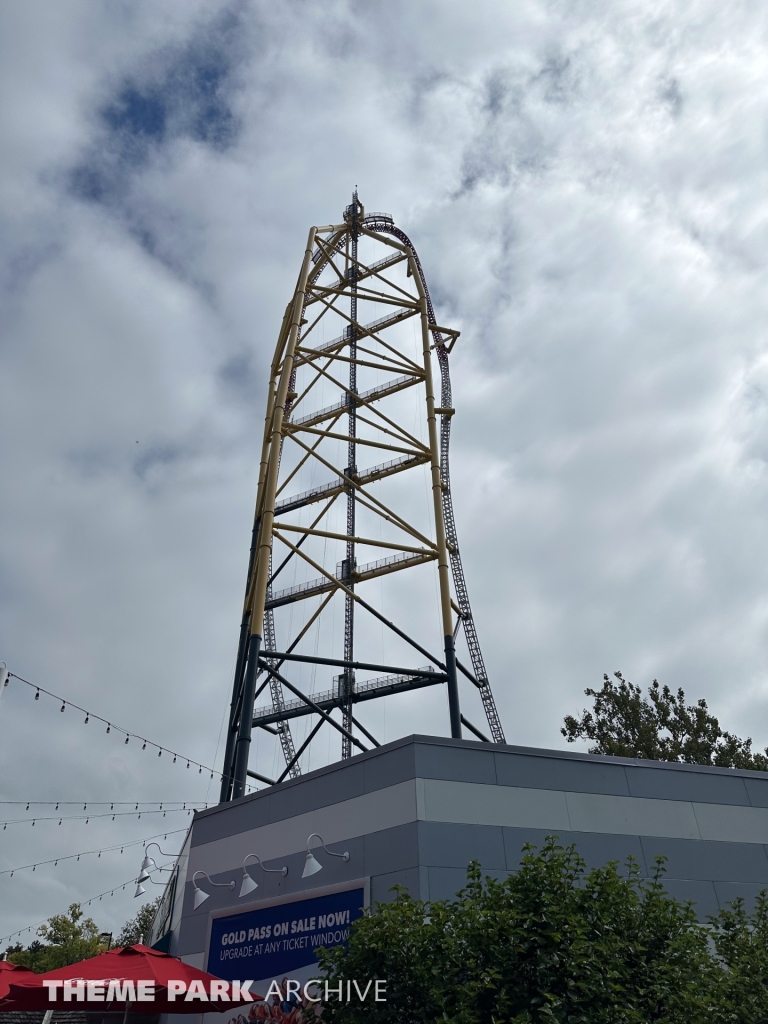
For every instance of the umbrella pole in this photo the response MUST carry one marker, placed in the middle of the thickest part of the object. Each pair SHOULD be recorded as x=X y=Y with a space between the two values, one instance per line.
x=125 y=1015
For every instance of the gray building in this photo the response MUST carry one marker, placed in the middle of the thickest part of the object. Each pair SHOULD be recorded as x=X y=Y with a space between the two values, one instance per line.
x=415 y=812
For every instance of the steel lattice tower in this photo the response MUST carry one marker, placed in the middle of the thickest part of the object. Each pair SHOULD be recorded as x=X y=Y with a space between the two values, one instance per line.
x=345 y=387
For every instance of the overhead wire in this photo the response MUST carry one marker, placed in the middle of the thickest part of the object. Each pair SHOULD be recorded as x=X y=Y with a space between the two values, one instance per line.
x=65 y=703
x=85 y=903
x=87 y=853
x=98 y=803
x=87 y=817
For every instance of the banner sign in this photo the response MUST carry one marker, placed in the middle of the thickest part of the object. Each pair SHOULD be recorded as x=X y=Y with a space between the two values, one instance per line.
x=279 y=940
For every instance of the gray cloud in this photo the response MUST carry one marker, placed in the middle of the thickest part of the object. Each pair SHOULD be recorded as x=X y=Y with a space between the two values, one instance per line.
x=587 y=192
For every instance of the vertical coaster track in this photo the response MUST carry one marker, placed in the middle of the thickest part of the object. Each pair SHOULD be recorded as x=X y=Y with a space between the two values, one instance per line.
x=385 y=225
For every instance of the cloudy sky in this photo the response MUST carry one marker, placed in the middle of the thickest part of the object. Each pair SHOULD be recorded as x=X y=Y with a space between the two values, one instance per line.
x=587 y=186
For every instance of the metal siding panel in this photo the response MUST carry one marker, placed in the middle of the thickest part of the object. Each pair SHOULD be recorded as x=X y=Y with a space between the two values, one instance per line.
x=596 y=848
x=757 y=791
x=516 y=838
x=727 y=892
x=389 y=768
x=599 y=848
x=454 y=846
x=590 y=812
x=381 y=885
x=336 y=823
x=456 y=763
x=674 y=783
x=194 y=960
x=467 y=803
x=394 y=849
x=193 y=932
x=309 y=794
x=732 y=824
x=533 y=772
x=231 y=820
x=702 y=894
x=716 y=862
x=444 y=883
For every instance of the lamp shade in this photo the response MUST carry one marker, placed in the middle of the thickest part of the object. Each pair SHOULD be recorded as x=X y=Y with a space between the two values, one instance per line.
x=140 y=890
x=200 y=898
x=312 y=865
x=148 y=864
x=247 y=885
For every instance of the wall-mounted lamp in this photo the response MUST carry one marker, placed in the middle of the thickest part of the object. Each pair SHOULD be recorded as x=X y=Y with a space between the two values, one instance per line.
x=200 y=895
x=248 y=884
x=313 y=865
x=148 y=864
x=140 y=890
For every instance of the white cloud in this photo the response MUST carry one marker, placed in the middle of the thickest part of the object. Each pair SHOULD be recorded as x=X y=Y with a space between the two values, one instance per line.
x=587 y=192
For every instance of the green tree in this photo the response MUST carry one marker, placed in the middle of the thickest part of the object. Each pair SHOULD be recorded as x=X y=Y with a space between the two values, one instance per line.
x=660 y=728
x=67 y=939
x=551 y=943
x=741 y=943
x=137 y=929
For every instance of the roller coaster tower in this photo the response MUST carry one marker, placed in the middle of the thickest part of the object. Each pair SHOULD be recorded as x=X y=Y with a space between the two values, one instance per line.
x=352 y=382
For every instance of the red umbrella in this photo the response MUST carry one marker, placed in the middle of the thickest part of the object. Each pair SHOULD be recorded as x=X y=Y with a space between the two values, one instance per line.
x=138 y=977
x=12 y=974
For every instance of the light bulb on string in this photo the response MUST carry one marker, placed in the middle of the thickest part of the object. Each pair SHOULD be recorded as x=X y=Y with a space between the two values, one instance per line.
x=87 y=719
x=37 y=695
x=63 y=707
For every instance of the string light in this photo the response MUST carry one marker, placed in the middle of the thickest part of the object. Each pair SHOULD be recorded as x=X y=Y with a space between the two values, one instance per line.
x=107 y=814
x=94 y=803
x=107 y=892
x=87 y=853
x=110 y=726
